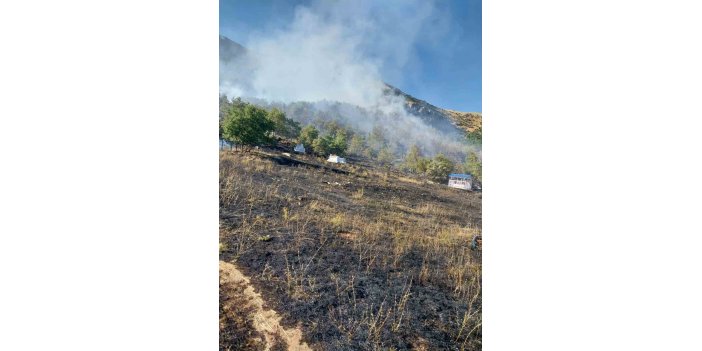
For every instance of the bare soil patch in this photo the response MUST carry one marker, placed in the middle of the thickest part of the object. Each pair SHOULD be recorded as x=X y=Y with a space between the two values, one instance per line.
x=242 y=299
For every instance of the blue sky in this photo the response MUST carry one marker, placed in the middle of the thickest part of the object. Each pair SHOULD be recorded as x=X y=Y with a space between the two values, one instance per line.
x=443 y=64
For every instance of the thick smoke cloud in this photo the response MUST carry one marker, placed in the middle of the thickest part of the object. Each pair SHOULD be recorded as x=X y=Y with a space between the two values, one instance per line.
x=342 y=51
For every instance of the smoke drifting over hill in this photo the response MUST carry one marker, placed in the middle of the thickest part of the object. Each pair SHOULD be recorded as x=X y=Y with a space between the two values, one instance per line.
x=335 y=52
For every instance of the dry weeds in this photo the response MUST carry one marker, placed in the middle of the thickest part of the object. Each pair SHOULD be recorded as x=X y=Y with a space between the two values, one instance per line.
x=360 y=257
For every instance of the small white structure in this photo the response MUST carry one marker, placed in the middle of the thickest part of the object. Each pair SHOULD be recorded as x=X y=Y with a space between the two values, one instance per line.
x=300 y=149
x=460 y=181
x=336 y=159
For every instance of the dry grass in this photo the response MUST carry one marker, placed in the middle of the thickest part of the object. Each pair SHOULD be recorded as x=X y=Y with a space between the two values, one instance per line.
x=363 y=260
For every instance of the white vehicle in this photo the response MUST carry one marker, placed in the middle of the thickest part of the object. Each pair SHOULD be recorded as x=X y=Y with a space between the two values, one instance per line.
x=461 y=181
x=336 y=159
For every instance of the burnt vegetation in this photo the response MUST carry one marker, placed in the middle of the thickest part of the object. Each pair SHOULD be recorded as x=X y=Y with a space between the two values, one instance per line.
x=360 y=256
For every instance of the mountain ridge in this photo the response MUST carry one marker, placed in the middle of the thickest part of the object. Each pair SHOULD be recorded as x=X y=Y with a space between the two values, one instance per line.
x=467 y=122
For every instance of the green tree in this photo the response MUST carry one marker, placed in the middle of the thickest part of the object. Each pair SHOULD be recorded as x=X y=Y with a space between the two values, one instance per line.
x=224 y=107
x=423 y=165
x=474 y=165
x=412 y=159
x=439 y=168
x=476 y=136
x=323 y=145
x=308 y=135
x=284 y=127
x=247 y=126
x=332 y=127
x=339 y=145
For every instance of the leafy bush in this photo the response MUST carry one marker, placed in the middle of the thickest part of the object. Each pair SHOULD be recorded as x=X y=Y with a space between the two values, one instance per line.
x=308 y=135
x=412 y=159
x=247 y=125
x=323 y=145
x=283 y=126
x=474 y=165
x=476 y=136
x=339 y=145
x=439 y=168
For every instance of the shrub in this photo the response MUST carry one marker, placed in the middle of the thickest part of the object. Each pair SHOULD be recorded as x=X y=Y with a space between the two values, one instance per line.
x=308 y=135
x=248 y=125
x=439 y=168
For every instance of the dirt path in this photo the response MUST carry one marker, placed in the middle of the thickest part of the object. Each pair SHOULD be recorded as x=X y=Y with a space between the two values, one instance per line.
x=267 y=322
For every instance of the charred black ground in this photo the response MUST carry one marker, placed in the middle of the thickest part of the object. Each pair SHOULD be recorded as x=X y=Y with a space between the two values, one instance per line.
x=360 y=257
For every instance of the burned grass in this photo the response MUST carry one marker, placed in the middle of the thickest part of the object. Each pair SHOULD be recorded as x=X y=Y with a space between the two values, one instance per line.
x=364 y=258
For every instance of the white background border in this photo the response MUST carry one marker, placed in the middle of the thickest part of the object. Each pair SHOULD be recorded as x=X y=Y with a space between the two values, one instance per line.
x=108 y=191
x=109 y=175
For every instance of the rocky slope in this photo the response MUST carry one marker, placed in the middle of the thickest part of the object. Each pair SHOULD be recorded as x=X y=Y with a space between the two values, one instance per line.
x=467 y=121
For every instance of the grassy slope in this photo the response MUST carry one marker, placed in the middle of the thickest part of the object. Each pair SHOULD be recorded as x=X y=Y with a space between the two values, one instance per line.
x=360 y=258
x=468 y=121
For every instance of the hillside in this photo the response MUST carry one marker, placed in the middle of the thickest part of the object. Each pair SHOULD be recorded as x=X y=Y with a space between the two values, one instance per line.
x=467 y=121
x=229 y=49
x=320 y=256
x=445 y=120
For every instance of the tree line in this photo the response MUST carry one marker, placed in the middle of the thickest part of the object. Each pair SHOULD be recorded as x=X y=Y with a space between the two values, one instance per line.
x=246 y=125
x=439 y=167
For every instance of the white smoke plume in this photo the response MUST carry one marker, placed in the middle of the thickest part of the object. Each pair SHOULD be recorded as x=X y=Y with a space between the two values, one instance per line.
x=343 y=51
